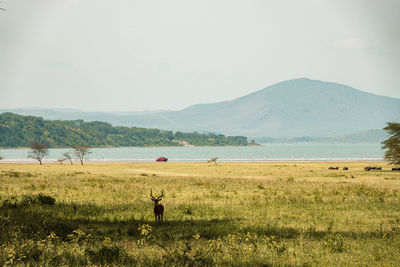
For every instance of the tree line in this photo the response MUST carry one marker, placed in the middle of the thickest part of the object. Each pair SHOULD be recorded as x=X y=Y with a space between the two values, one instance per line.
x=19 y=131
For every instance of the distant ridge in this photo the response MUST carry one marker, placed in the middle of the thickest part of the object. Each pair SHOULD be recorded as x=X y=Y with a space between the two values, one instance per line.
x=293 y=108
x=370 y=136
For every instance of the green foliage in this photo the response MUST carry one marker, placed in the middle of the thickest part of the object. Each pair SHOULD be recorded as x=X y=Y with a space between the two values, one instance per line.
x=22 y=251
x=46 y=200
x=103 y=255
x=18 y=131
x=392 y=144
x=14 y=174
x=26 y=200
x=335 y=243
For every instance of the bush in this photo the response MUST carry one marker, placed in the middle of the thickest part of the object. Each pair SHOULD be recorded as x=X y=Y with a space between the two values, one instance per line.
x=61 y=228
x=5 y=225
x=24 y=251
x=14 y=174
x=335 y=243
x=103 y=255
x=46 y=200
x=26 y=200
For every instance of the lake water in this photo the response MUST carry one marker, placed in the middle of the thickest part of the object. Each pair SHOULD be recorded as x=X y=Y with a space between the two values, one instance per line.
x=265 y=152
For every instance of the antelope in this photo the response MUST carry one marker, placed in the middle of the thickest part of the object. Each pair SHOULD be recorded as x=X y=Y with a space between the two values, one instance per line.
x=158 y=208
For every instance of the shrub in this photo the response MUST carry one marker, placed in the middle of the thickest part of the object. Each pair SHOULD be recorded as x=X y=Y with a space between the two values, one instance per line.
x=335 y=243
x=290 y=179
x=23 y=251
x=46 y=200
x=26 y=200
x=5 y=224
x=188 y=210
x=14 y=174
x=61 y=228
x=104 y=255
x=11 y=202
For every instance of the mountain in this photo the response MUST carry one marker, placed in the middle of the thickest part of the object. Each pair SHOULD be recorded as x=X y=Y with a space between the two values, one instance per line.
x=299 y=107
x=370 y=136
x=293 y=108
x=18 y=131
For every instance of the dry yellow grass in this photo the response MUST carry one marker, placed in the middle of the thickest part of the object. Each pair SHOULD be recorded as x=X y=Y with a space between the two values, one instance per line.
x=285 y=212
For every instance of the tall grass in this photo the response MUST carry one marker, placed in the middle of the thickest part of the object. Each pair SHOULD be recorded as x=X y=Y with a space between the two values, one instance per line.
x=236 y=214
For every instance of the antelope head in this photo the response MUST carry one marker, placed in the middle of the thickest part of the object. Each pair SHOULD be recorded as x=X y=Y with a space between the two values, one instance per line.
x=156 y=199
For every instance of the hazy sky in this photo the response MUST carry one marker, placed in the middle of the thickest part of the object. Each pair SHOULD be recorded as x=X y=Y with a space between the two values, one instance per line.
x=167 y=54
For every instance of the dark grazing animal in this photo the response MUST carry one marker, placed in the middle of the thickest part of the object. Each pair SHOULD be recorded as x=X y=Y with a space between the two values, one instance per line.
x=158 y=208
x=333 y=168
x=395 y=169
x=368 y=168
x=345 y=168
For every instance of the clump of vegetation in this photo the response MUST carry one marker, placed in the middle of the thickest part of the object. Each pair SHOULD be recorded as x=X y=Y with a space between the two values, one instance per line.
x=15 y=174
x=392 y=144
x=187 y=210
x=104 y=254
x=335 y=243
x=25 y=200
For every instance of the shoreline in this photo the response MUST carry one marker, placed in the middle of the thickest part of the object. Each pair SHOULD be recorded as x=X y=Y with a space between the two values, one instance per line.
x=200 y=160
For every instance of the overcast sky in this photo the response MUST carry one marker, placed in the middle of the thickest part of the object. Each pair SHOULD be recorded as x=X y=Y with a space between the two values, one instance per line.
x=126 y=55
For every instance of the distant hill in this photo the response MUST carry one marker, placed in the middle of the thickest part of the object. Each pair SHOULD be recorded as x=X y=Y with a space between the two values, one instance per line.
x=370 y=136
x=18 y=131
x=293 y=108
x=115 y=118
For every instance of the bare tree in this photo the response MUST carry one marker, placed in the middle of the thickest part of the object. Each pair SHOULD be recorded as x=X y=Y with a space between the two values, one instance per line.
x=67 y=156
x=81 y=152
x=61 y=160
x=38 y=151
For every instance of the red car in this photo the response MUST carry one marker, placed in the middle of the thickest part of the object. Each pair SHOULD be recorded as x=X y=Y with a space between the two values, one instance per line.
x=162 y=159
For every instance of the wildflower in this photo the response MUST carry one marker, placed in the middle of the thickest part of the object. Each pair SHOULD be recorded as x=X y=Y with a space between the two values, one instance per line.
x=107 y=241
x=196 y=236
x=145 y=229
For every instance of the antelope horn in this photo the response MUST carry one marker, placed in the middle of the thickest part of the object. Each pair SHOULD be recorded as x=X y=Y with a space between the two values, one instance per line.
x=162 y=194
x=151 y=194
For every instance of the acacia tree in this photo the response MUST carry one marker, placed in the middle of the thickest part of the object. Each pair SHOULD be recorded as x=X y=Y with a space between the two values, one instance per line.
x=67 y=156
x=81 y=152
x=213 y=160
x=392 y=144
x=38 y=151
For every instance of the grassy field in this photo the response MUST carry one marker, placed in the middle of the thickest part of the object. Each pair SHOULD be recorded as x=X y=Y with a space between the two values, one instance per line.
x=229 y=214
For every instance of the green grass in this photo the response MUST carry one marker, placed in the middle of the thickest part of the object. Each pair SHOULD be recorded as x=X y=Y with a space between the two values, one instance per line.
x=230 y=214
